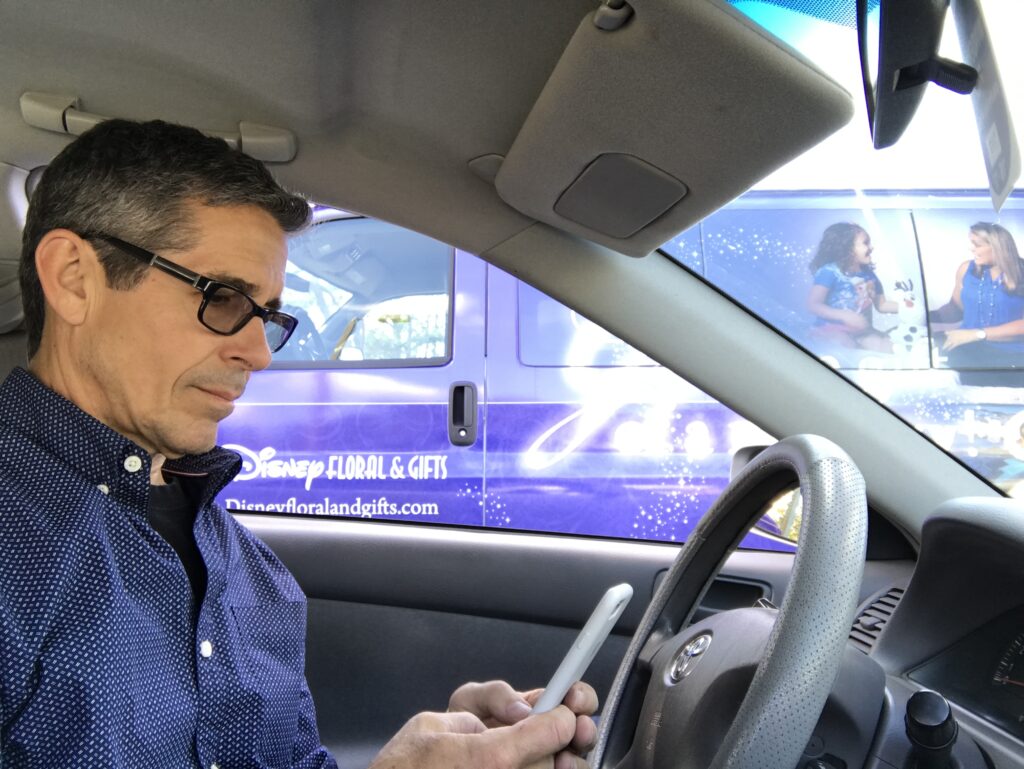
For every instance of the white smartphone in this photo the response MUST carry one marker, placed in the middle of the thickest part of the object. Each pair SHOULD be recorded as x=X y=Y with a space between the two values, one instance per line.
x=585 y=647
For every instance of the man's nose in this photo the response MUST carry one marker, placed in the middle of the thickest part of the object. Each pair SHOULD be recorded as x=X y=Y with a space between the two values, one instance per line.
x=251 y=345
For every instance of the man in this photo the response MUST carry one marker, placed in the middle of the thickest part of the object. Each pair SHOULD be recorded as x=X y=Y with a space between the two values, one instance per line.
x=140 y=625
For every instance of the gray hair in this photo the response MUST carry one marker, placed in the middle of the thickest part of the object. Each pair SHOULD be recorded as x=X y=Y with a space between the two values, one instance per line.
x=136 y=181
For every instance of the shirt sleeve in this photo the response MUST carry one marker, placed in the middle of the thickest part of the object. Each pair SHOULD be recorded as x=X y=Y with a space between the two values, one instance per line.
x=308 y=752
x=825 y=277
x=16 y=664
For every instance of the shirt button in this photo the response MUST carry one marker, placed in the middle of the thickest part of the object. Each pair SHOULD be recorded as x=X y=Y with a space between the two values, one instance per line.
x=206 y=649
x=214 y=765
x=104 y=488
x=132 y=464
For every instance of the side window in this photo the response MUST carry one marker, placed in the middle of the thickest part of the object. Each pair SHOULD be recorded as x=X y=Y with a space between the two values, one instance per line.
x=577 y=431
x=550 y=334
x=367 y=293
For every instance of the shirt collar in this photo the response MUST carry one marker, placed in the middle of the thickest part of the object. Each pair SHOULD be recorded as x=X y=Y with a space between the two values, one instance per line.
x=32 y=409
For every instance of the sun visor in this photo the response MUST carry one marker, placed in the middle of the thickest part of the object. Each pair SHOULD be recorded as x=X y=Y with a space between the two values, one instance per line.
x=13 y=205
x=644 y=129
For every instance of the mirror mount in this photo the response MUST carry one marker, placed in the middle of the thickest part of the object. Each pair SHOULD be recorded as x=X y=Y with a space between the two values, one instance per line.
x=951 y=75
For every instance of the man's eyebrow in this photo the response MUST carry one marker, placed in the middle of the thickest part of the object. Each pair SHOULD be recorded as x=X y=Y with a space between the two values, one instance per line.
x=244 y=286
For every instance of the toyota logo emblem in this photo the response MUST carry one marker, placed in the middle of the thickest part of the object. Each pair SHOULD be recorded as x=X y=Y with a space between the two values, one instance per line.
x=688 y=657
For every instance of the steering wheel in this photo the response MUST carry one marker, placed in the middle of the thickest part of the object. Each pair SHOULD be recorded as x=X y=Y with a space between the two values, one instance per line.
x=743 y=689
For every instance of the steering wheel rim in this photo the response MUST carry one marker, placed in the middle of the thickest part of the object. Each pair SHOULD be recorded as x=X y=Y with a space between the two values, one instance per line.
x=805 y=643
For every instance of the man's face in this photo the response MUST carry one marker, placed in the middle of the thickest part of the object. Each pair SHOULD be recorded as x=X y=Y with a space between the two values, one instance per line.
x=158 y=376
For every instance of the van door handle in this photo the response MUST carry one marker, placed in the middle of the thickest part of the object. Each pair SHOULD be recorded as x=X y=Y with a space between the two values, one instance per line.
x=462 y=414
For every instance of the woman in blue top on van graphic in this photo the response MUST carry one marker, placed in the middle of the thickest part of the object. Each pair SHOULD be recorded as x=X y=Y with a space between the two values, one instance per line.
x=989 y=297
x=846 y=289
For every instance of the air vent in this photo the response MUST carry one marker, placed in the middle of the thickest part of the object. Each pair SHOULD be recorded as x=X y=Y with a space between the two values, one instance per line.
x=869 y=624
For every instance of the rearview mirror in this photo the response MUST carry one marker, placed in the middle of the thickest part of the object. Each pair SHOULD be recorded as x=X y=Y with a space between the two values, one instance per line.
x=899 y=43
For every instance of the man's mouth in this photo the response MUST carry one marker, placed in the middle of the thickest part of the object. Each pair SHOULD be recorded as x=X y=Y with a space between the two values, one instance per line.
x=226 y=395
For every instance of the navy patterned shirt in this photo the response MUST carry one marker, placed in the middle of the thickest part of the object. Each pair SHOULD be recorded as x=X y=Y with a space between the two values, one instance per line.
x=104 y=660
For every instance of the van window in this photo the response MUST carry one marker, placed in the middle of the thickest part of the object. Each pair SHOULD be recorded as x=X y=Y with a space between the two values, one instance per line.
x=366 y=293
x=404 y=328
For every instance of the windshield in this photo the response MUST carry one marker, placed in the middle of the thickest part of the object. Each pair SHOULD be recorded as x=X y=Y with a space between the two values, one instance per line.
x=892 y=265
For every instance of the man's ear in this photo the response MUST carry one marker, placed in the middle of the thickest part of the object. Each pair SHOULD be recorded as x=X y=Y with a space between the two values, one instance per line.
x=68 y=269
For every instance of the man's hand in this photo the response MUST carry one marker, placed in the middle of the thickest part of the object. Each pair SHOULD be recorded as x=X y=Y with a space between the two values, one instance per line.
x=497 y=704
x=447 y=740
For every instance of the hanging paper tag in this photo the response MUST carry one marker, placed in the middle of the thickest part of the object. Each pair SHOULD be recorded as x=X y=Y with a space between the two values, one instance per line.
x=995 y=127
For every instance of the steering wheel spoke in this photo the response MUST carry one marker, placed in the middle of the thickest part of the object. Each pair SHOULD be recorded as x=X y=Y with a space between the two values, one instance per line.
x=655 y=641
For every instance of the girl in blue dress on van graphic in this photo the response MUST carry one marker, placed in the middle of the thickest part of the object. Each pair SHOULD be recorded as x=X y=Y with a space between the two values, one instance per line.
x=989 y=298
x=846 y=290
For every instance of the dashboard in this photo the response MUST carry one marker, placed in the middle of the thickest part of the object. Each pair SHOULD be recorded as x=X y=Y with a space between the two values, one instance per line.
x=984 y=673
x=959 y=630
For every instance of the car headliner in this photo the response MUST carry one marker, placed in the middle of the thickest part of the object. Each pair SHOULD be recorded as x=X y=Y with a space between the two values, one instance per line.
x=389 y=101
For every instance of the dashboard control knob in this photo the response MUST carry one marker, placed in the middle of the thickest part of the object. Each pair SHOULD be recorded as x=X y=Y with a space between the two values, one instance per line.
x=932 y=731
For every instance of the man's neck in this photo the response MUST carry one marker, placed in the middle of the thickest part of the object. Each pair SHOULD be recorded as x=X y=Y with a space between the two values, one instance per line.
x=47 y=369
x=156 y=470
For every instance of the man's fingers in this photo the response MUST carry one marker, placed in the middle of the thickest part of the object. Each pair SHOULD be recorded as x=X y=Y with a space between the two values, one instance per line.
x=445 y=740
x=434 y=741
x=581 y=699
x=586 y=735
x=532 y=696
x=531 y=740
x=493 y=701
x=516 y=741
x=454 y=723
x=462 y=723
x=566 y=760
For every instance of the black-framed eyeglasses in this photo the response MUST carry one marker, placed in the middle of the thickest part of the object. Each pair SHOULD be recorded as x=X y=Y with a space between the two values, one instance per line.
x=225 y=309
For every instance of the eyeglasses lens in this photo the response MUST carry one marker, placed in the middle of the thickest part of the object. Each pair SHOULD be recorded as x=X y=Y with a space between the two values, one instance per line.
x=227 y=310
x=277 y=334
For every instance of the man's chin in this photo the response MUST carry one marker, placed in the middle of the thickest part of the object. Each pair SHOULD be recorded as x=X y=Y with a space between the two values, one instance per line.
x=184 y=445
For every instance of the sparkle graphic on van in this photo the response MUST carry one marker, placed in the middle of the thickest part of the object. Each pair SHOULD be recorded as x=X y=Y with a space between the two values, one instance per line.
x=537 y=457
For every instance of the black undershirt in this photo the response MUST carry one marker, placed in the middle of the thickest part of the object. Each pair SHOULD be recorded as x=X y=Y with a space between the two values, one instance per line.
x=172 y=512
